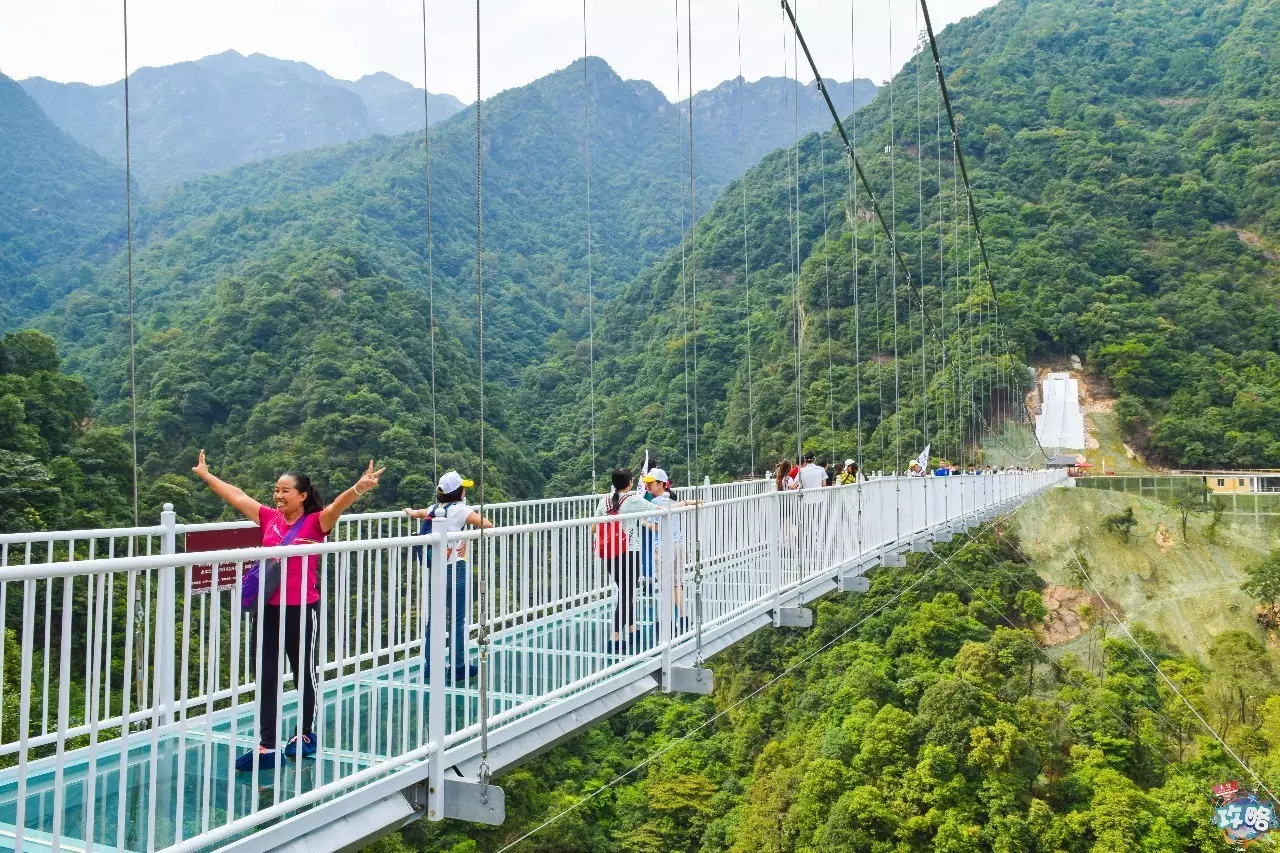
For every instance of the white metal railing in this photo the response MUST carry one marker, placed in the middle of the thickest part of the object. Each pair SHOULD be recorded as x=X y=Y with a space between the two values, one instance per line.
x=136 y=686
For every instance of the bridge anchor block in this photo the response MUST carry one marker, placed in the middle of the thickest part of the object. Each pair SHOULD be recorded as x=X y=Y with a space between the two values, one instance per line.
x=793 y=617
x=854 y=583
x=690 y=679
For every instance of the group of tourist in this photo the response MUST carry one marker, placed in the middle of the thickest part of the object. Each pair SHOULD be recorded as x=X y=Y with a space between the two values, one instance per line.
x=291 y=589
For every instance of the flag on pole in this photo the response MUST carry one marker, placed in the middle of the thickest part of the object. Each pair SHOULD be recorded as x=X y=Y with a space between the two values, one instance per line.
x=644 y=469
x=923 y=459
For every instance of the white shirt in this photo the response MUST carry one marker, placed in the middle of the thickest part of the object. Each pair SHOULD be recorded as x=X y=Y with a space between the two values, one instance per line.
x=812 y=476
x=812 y=479
x=451 y=520
x=664 y=500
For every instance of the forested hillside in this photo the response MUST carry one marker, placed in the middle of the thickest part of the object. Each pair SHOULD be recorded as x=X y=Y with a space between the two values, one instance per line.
x=1122 y=157
x=55 y=196
x=299 y=231
x=220 y=111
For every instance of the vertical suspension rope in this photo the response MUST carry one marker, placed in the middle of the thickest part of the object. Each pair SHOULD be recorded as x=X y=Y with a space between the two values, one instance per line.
x=483 y=628
x=699 y=599
x=923 y=402
x=684 y=291
x=693 y=247
x=893 y=241
x=746 y=264
x=794 y=223
x=128 y=205
x=431 y=275
x=945 y=390
x=591 y=293
x=826 y=272
x=857 y=307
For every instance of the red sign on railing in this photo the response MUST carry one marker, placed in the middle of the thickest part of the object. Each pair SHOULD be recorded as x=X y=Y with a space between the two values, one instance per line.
x=219 y=540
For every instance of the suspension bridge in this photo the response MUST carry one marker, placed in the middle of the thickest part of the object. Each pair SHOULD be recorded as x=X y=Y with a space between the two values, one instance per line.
x=142 y=757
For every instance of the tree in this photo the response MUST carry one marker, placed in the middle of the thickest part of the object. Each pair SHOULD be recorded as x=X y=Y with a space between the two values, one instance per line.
x=1121 y=523
x=1189 y=496
x=1264 y=579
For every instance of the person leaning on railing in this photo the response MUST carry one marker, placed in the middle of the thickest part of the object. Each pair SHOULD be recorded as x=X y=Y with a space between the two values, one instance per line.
x=299 y=510
x=451 y=514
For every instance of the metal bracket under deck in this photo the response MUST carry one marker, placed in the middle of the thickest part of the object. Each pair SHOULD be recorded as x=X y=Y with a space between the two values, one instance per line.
x=690 y=679
x=467 y=799
x=893 y=559
x=793 y=617
x=854 y=583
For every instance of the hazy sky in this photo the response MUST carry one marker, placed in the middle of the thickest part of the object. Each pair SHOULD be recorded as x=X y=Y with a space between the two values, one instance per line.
x=80 y=40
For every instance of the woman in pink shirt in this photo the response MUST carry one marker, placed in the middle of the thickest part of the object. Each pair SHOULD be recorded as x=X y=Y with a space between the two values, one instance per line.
x=299 y=509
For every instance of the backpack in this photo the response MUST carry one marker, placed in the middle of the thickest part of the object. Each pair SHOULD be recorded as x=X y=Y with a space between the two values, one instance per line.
x=611 y=539
x=425 y=528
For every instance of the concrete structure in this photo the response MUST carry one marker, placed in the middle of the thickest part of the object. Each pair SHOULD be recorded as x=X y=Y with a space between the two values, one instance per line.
x=1060 y=423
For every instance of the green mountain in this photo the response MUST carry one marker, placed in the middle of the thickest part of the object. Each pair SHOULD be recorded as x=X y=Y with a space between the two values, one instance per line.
x=1121 y=155
x=227 y=109
x=349 y=223
x=55 y=197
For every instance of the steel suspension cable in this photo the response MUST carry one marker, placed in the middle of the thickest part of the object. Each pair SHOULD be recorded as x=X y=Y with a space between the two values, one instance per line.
x=431 y=276
x=795 y=251
x=826 y=272
x=128 y=215
x=920 y=228
x=591 y=293
x=955 y=139
x=699 y=597
x=853 y=229
x=746 y=263
x=891 y=150
x=684 y=289
x=945 y=390
x=483 y=627
x=693 y=246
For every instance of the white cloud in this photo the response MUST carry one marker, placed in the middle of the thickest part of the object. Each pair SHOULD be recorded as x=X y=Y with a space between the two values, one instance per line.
x=80 y=40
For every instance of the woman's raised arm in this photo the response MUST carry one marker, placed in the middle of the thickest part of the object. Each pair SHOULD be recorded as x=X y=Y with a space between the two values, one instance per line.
x=233 y=495
x=330 y=514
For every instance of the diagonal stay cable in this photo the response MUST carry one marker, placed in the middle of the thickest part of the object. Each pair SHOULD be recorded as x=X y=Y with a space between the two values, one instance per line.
x=941 y=562
x=955 y=142
x=1167 y=680
x=848 y=146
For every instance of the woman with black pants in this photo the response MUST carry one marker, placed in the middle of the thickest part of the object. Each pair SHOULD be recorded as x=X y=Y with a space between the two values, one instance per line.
x=299 y=517
x=624 y=565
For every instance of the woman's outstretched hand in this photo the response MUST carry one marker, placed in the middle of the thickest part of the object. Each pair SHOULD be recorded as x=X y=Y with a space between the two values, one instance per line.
x=369 y=480
x=202 y=467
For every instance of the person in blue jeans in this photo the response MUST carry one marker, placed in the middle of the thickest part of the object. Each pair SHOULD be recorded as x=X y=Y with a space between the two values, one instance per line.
x=451 y=514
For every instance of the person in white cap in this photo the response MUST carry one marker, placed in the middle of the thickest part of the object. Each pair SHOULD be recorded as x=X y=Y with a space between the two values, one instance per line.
x=850 y=474
x=658 y=485
x=617 y=544
x=450 y=514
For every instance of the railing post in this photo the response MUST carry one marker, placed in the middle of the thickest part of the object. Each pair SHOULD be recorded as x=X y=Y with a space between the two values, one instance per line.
x=166 y=610
x=775 y=550
x=666 y=598
x=437 y=661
